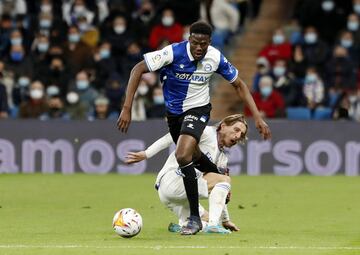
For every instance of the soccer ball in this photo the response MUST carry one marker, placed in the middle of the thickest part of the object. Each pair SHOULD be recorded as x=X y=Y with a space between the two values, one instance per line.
x=127 y=222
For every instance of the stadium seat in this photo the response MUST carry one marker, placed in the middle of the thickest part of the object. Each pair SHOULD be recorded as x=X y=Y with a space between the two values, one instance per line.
x=322 y=114
x=298 y=113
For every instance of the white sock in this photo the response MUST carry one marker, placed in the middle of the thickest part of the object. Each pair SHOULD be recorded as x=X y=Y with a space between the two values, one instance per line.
x=217 y=199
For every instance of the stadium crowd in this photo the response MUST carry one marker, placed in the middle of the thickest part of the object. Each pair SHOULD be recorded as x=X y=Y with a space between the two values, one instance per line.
x=71 y=59
x=310 y=69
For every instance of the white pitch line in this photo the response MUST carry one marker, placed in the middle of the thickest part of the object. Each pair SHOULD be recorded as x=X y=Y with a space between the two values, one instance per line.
x=159 y=247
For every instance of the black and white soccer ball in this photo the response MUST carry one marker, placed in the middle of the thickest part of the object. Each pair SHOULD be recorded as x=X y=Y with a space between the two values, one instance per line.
x=127 y=222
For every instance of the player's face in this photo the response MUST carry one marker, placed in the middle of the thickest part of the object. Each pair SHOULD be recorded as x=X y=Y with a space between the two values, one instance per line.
x=198 y=45
x=231 y=135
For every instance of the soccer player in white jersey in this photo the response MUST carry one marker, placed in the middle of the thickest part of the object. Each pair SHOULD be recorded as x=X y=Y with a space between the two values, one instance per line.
x=228 y=132
x=185 y=70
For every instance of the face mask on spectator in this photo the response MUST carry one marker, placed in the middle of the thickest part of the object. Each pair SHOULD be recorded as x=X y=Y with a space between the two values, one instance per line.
x=327 y=5
x=104 y=53
x=158 y=100
x=78 y=9
x=353 y=25
x=36 y=93
x=311 y=78
x=43 y=47
x=357 y=8
x=16 y=41
x=146 y=16
x=279 y=71
x=74 y=38
x=45 y=8
x=278 y=39
x=82 y=84
x=45 y=23
x=167 y=21
x=310 y=38
x=265 y=91
x=119 y=29
x=353 y=98
x=16 y=56
x=52 y=91
x=143 y=89
x=72 y=98
x=346 y=43
x=83 y=26
x=24 y=81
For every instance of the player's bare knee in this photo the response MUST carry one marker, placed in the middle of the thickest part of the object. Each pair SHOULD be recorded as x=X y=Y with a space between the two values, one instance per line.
x=223 y=178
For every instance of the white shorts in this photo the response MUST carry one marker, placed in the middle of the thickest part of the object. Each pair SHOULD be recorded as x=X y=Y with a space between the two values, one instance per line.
x=171 y=187
x=173 y=195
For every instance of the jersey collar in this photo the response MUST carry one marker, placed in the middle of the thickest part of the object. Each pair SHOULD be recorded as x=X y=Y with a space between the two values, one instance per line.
x=188 y=51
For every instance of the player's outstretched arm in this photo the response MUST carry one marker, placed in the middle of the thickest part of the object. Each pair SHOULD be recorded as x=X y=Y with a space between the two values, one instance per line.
x=160 y=144
x=124 y=119
x=244 y=93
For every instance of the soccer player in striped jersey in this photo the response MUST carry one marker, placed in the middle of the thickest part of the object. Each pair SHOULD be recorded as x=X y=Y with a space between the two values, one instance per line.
x=185 y=70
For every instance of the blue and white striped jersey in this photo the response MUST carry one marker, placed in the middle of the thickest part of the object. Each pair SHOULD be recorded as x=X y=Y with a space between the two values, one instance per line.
x=185 y=80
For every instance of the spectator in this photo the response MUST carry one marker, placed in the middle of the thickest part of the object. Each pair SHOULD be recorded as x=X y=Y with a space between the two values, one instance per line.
x=75 y=109
x=132 y=57
x=20 y=92
x=76 y=52
x=115 y=91
x=314 y=90
x=157 y=109
x=330 y=20
x=292 y=31
x=103 y=64
x=269 y=102
x=168 y=30
x=118 y=36
x=4 y=108
x=74 y=9
x=143 y=22
x=102 y=110
x=279 y=48
x=353 y=27
x=141 y=102
x=89 y=34
x=17 y=61
x=56 y=109
x=223 y=16
x=86 y=93
x=36 y=105
x=5 y=30
x=262 y=69
x=39 y=56
x=340 y=70
x=298 y=63
x=285 y=84
x=315 y=51
x=346 y=40
x=57 y=74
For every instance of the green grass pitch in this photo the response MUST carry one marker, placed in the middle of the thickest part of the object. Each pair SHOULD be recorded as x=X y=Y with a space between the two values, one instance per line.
x=72 y=214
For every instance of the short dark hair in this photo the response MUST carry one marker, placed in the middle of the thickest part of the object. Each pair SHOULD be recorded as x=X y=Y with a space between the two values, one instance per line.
x=201 y=27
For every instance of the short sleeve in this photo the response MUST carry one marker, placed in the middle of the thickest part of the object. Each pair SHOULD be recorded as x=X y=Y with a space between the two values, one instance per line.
x=156 y=59
x=227 y=70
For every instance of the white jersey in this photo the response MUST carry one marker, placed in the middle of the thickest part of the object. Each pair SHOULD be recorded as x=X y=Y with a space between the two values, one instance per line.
x=186 y=81
x=208 y=145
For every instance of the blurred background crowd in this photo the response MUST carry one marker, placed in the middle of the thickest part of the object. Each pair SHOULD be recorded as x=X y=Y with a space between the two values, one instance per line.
x=71 y=59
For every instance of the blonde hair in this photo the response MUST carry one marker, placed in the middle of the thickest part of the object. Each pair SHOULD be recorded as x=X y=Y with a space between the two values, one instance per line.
x=231 y=120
